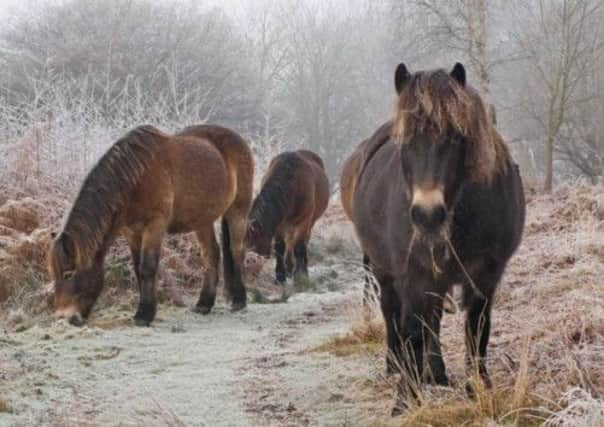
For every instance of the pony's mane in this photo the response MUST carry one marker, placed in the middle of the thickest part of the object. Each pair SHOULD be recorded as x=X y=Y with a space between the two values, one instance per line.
x=433 y=102
x=312 y=156
x=105 y=193
x=269 y=207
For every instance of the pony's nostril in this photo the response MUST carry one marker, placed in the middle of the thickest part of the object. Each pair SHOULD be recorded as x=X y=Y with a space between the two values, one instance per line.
x=439 y=215
x=416 y=215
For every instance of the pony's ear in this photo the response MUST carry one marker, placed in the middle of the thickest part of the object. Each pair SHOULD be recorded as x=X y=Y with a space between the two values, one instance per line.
x=459 y=73
x=401 y=76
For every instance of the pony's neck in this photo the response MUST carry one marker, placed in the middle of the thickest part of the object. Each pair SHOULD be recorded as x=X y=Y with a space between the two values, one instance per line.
x=91 y=246
x=263 y=219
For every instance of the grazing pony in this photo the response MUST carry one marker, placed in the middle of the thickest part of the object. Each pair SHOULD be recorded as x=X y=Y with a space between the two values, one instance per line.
x=294 y=194
x=149 y=184
x=436 y=200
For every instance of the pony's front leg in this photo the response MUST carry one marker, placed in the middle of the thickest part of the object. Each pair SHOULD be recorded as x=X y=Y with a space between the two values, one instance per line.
x=478 y=320
x=436 y=365
x=412 y=337
x=210 y=256
x=391 y=310
x=149 y=260
x=134 y=242
x=478 y=330
x=280 y=274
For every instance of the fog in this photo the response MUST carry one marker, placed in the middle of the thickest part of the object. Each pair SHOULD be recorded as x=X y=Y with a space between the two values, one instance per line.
x=289 y=74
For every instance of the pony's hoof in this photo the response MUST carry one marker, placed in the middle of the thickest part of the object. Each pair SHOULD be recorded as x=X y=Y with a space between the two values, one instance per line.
x=201 y=309
x=442 y=381
x=237 y=306
x=141 y=322
x=473 y=389
x=76 y=320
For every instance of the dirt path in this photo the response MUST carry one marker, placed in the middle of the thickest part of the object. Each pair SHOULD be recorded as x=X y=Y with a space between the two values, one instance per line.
x=249 y=368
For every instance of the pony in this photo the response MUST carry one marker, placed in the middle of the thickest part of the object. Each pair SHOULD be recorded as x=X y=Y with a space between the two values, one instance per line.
x=436 y=200
x=149 y=184
x=294 y=194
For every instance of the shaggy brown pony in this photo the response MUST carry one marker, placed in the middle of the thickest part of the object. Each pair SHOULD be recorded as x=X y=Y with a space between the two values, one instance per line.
x=436 y=200
x=146 y=185
x=294 y=194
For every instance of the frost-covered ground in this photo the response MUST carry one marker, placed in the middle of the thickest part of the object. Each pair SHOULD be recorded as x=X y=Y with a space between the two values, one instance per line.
x=277 y=363
x=225 y=369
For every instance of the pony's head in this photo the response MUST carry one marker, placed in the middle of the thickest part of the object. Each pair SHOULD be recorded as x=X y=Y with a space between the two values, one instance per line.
x=257 y=239
x=445 y=139
x=77 y=283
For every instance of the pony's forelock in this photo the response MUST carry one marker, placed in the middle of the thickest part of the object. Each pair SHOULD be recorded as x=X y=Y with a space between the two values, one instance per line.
x=433 y=102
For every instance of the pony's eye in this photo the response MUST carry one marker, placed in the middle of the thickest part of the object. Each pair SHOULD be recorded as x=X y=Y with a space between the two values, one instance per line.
x=68 y=274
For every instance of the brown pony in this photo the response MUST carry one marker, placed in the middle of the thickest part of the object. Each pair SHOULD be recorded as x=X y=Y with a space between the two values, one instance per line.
x=436 y=200
x=294 y=194
x=146 y=185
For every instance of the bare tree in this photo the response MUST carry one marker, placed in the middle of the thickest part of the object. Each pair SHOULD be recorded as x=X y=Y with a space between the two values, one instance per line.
x=460 y=26
x=177 y=55
x=563 y=44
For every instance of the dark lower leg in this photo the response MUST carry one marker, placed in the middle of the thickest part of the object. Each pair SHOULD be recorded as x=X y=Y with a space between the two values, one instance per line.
x=478 y=329
x=437 y=372
x=280 y=275
x=301 y=268
x=412 y=361
x=391 y=311
x=135 y=251
x=210 y=254
x=289 y=263
x=148 y=302
x=233 y=233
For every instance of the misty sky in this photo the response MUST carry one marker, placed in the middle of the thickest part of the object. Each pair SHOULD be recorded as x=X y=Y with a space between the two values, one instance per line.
x=8 y=7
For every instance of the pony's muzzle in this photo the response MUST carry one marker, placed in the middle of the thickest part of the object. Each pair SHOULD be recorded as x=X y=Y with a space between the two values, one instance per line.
x=429 y=219
x=71 y=314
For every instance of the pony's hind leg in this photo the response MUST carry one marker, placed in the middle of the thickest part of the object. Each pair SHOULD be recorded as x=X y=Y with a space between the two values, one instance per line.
x=370 y=289
x=289 y=260
x=210 y=255
x=301 y=260
x=149 y=260
x=301 y=239
x=280 y=275
x=234 y=225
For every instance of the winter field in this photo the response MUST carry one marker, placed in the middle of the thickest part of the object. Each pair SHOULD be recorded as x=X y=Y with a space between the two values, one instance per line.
x=75 y=75
x=313 y=358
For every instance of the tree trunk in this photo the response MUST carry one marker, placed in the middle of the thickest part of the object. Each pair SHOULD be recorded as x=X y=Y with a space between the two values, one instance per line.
x=549 y=163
